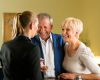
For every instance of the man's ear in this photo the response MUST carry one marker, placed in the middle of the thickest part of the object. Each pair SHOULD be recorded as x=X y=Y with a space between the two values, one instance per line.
x=51 y=27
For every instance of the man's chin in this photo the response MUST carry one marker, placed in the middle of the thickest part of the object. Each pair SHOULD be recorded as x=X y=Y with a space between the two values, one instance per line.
x=66 y=40
x=43 y=38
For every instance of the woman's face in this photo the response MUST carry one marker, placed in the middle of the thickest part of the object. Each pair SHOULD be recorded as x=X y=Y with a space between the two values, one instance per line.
x=34 y=27
x=68 y=34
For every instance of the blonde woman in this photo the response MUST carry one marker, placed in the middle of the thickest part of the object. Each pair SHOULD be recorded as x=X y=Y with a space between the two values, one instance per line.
x=20 y=57
x=78 y=57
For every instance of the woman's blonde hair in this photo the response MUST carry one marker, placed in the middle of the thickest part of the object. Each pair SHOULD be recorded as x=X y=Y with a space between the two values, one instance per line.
x=17 y=28
x=73 y=23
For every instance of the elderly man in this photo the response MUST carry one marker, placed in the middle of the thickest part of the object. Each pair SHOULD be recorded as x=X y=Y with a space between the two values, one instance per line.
x=51 y=46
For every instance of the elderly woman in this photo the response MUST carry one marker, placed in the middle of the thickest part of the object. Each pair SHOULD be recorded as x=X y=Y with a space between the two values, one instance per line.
x=78 y=57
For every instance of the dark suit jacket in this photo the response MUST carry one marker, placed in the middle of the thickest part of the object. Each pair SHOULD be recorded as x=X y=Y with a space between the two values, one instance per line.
x=1 y=72
x=21 y=60
x=58 y=45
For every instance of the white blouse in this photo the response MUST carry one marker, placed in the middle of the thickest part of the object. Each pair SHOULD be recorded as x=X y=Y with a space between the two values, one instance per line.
x=82 y=62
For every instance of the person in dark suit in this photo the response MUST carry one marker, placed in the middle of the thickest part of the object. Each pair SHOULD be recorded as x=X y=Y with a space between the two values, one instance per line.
x=1 y=72
x=51 y=46
x=20 y=57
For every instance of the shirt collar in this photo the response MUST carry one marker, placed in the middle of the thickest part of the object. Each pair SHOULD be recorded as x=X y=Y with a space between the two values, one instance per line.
x=48 y=39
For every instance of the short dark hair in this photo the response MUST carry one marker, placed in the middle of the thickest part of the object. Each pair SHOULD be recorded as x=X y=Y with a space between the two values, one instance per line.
x=25 y=18
x=42 y=16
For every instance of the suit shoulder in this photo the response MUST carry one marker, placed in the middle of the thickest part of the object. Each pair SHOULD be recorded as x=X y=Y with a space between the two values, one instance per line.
x=35 y=37
x=7 y=43
x=57 y=35
x=32 y=45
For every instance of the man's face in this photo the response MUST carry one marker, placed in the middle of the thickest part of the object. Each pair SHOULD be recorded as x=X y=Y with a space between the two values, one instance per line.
x=44 y=28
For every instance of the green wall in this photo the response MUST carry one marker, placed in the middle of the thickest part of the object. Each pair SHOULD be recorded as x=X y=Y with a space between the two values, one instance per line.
x=87 y=10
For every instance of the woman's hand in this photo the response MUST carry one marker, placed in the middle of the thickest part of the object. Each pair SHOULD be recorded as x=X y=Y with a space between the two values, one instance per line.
x=44 y=68
x=68 y=76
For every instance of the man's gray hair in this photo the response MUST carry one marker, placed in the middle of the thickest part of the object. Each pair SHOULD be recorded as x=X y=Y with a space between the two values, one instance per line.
x=42 y=16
